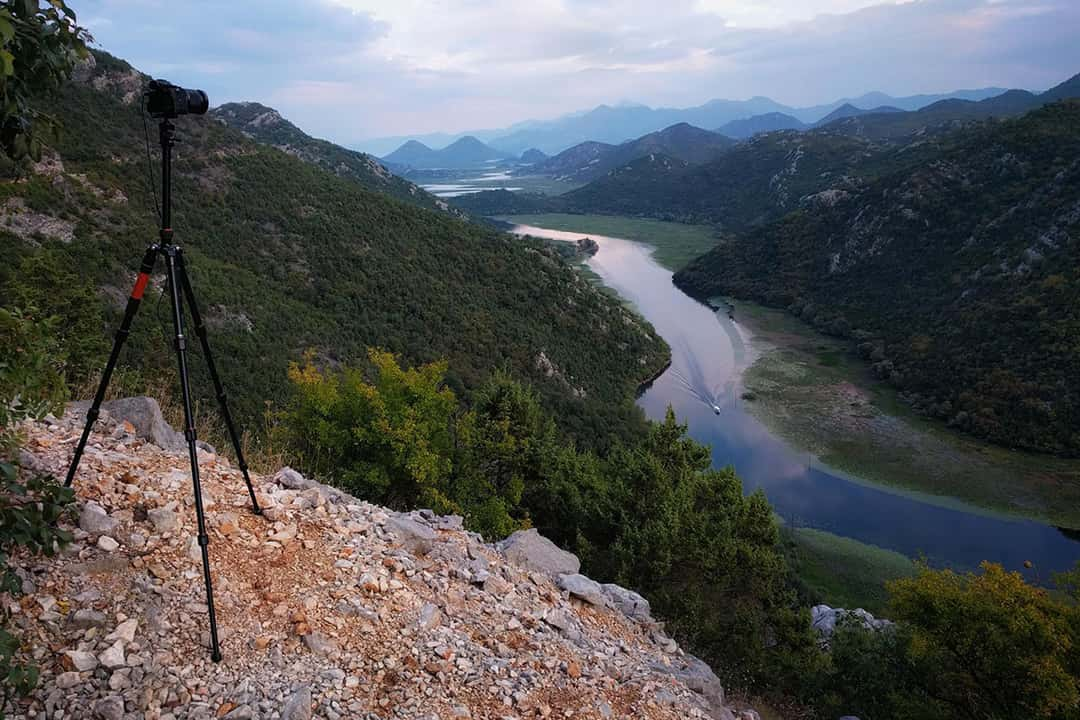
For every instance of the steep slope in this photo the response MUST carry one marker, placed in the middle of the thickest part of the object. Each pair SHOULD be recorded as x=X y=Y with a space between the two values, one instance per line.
x=573 y=162
x=754 y=182
x=287 y=257
x=960 y=276
x=266 y=125
x=769 y=122
x=327 y=607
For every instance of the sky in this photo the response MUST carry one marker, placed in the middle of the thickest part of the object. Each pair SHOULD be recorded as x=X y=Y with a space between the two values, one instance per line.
x=347 y=70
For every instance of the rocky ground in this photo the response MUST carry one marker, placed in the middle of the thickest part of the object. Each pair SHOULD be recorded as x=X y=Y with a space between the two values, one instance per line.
x=327 y=607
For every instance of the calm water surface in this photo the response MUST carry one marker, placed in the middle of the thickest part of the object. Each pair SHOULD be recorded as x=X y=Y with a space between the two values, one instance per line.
x=707 y=353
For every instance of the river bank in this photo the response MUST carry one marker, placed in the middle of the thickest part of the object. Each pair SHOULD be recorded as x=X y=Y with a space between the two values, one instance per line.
x=812 y=391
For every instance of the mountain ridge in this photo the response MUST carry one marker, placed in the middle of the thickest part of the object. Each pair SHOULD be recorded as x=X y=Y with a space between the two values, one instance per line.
x=266 y=125
x=616 y=124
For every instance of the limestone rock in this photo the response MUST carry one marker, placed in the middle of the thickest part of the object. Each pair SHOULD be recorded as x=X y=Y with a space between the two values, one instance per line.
x=628 y=602
x=125 y=631
x=81 y=660
x=110 y=708
x=145 y=416
x=164 y=519
x=824 y=619
x=298 y=706
x=530 y=550
x=107 y=543
x=113 y=657
x=417 y=539
x=286 y=477
x=580 y=586
x=86 y=618
x=94 y=520
x=68 y=680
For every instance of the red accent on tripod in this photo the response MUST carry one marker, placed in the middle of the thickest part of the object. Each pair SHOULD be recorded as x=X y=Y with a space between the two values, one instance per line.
x=140 y=286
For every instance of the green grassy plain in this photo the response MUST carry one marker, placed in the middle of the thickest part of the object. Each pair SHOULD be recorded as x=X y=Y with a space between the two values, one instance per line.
x=676 y=244
x=842 y=572
x=812 y=391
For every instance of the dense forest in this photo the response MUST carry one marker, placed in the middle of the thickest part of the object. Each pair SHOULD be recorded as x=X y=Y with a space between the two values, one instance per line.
x=288 y=257
x=958 y=276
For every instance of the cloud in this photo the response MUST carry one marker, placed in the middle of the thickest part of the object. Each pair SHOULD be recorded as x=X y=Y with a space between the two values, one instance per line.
x=347 y=69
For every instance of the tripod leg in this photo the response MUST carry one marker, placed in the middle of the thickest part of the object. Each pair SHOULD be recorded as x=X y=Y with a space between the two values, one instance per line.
x=219 y=390
x=189 y=434
x=133 y=303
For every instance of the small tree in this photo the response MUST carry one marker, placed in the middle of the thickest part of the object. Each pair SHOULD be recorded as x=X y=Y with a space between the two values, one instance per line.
x=988 y=645
x=387 y=440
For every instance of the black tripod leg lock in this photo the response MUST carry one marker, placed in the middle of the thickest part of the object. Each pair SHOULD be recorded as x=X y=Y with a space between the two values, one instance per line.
x=204 y=540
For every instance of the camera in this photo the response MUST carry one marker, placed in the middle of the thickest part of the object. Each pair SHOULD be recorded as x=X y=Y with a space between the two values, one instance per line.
x=165 y=100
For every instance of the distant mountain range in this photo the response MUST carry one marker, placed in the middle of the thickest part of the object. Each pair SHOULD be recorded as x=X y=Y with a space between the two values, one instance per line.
x=464 y=153
x=617 y=124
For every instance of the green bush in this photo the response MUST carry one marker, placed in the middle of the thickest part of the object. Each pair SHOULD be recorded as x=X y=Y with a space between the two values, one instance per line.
x=975 y=646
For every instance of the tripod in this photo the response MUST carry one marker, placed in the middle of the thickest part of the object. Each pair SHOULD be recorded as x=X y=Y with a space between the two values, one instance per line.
x=179 y=288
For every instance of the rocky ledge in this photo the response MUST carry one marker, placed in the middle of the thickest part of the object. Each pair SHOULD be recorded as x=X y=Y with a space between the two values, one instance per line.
x=327 y=607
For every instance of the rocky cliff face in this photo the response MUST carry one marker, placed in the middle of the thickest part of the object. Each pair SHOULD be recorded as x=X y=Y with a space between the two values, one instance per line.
x=327 y=607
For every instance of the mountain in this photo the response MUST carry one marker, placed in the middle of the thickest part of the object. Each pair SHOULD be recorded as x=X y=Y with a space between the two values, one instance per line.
x=590 y=160
x=266 y=125
x=575 y=161
x=769 y=175
x=875 y=99
x=755 y=181
x=769 y=122
x=947 y=114
x=466 y=152
x=1064 y=91
x=532 y=155
x=848 y=110
x=411 y=154
x=959 y=275
x=616 y=124
x=288 y=258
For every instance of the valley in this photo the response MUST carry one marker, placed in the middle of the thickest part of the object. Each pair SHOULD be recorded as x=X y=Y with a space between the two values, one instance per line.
x=811 y=482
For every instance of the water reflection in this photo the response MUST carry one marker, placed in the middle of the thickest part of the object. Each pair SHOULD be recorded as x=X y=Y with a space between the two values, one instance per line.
x=708 y=352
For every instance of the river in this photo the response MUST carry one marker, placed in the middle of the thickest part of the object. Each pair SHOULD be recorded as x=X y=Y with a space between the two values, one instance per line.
x=708 y=353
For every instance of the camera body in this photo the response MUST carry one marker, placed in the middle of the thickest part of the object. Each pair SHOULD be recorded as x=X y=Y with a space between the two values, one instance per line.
x=165 y=100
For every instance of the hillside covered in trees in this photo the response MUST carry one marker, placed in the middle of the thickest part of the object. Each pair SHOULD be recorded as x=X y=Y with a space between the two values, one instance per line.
x=286 y=257
x=959 y=276
x=266 y=125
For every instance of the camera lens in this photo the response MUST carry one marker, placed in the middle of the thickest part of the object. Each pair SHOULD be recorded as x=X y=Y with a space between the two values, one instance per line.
x=197 y=102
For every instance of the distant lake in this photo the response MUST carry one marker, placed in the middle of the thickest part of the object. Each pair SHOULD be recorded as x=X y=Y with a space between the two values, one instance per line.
x=708 y=353
x=470 y=184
